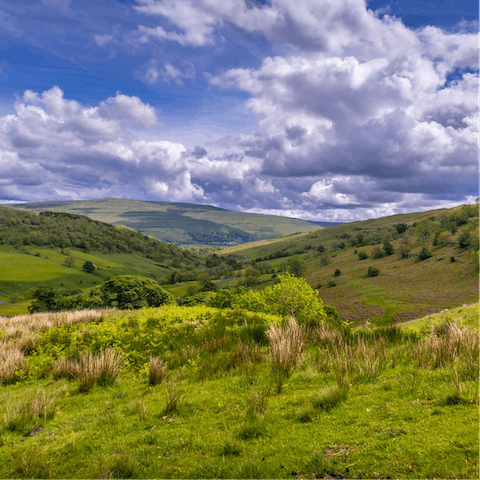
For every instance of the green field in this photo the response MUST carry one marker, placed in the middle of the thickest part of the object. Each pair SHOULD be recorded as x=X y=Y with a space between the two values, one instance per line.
x=369 y=404
x=21 y=271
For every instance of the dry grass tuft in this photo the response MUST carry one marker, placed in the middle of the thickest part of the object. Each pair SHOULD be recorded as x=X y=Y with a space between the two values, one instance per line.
x=287 y=346
x=449 y=343
x=22 y=325
x=157 y=371
x=90 y=369
x=11 y=360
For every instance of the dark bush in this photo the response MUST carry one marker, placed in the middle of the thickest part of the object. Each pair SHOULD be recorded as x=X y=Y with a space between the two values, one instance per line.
x=89 y=267
x=424 y=254
x=331 y=284
x=362 y=255
x=132 y=291
x=337 y=272
x=377 y=253
x=373 y=272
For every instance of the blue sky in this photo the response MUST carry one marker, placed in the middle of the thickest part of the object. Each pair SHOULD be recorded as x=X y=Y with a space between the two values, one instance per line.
x=324 y=110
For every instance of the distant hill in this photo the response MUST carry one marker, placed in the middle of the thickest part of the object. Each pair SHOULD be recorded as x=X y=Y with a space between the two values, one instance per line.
x=405 y=288
x=180 y=223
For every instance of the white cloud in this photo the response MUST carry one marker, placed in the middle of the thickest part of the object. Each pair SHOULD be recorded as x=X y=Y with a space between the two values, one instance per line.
x=57 y=147
x=168 y=73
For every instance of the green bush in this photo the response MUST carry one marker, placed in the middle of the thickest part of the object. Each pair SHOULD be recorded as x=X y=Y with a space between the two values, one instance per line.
x=377 y=253
x=337 y=272
x=423 y=255
x=362 y=255
x=132 y=292
x=373 y=272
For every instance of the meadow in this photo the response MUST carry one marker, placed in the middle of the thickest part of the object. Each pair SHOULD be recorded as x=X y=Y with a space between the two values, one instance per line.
x=198 y=392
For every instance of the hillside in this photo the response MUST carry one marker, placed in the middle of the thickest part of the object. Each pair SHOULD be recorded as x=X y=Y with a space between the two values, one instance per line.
x=405 y=288
x=180 y=223
x=50 y=249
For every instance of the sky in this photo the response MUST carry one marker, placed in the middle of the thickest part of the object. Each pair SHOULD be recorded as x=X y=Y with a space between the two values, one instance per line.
x=327 y=110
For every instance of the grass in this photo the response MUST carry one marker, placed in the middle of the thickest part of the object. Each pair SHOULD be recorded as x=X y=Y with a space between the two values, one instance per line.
x=223 y=423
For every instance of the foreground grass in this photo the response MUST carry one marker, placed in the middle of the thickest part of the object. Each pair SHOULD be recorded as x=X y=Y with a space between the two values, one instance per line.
x=362 y=405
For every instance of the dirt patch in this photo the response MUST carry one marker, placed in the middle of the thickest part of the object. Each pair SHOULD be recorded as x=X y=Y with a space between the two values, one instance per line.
x=337 y=449
x=360 y=312
x=414 y=314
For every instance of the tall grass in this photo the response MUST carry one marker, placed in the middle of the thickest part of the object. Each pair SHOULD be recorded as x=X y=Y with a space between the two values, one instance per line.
x=287 y=346
x=90 y=369
x=23 y=417
x=449 y=343
x=11 y=360
x=19 y=326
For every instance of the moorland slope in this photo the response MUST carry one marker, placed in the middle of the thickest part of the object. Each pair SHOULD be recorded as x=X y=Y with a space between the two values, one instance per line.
x=180 y=223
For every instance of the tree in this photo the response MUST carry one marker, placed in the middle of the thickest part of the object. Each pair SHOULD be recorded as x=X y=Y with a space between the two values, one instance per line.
x=296 y=266
x=131 y=292
x=70 y=261
x=45 y=300
x=89 y=267
x=388 y=248
x=291 y=296
x=423 y=255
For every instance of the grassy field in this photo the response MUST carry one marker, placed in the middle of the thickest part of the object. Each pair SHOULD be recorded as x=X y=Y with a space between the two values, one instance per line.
x=374 y=403
x=180 y=223
x=21 y=271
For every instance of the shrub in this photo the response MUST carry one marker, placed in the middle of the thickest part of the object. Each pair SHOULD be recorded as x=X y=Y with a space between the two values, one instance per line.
x=388 y=248
x=331 y=284
x=464 y=240
x=423 y=255
x=377 y=253
x=362 y=255
x=373 y=272
x=452 y=259
x=89 y=267
x=405 y=253
x=337 y=272
x=291 y=296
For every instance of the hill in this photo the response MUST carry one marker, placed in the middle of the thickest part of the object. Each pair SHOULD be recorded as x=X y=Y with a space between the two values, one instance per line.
x=405 y=287
x=180 y=223
x=50 y=248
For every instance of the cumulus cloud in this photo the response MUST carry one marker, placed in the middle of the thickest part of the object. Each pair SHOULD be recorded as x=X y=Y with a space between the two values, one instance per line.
x=62 y=149
x=357 y=116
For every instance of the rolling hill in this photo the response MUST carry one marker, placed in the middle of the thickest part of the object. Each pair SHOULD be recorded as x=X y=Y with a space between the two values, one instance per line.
x=50 y=248
x=405 y=287
x=180 y=223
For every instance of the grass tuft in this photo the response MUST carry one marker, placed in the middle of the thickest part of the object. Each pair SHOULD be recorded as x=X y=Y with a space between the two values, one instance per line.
x=287 y=346
x=157 y=372
x=11 y=361
x=89 y=369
